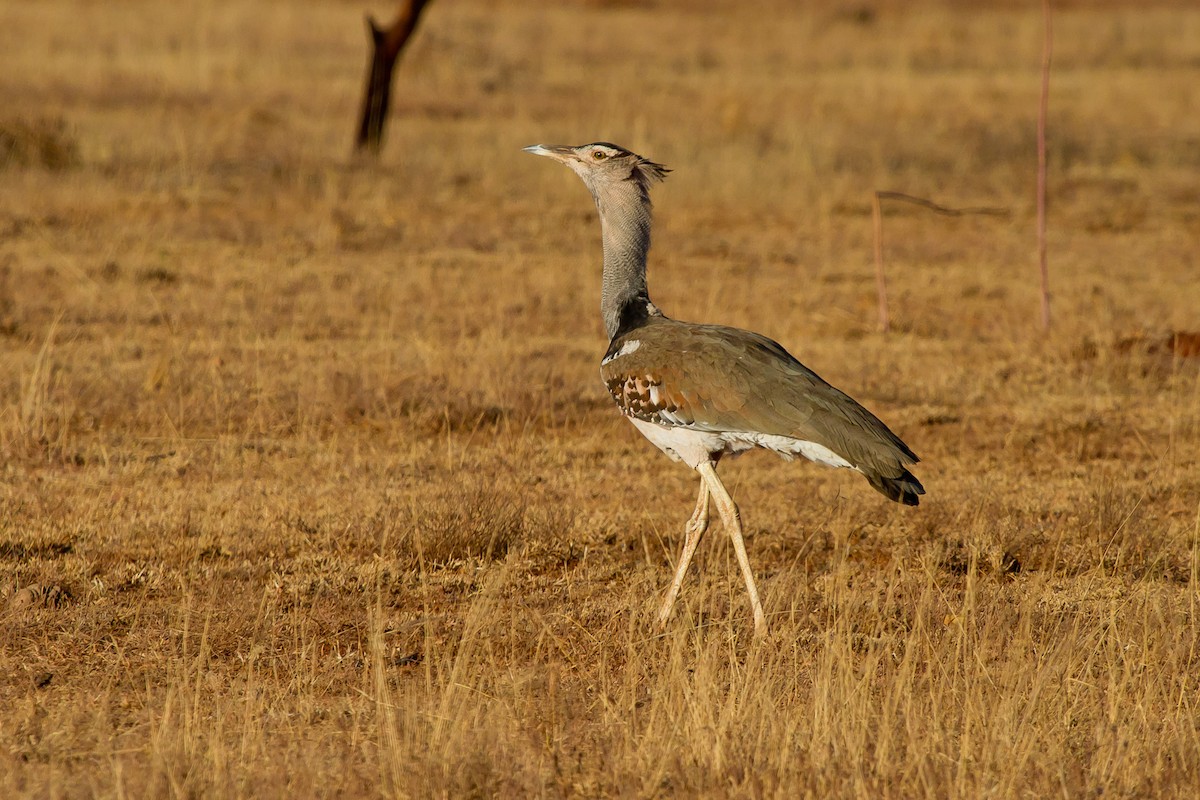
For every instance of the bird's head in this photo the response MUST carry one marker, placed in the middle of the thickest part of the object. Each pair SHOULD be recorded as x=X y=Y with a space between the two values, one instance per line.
x=604 y=166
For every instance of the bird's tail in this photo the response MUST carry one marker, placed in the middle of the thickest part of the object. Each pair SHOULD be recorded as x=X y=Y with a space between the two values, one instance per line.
x=904 y=488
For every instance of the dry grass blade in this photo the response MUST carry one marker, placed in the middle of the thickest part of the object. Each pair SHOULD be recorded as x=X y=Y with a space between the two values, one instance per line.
x=35 y=392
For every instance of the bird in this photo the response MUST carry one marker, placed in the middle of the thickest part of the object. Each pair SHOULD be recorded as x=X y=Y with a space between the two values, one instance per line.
x=701 y=392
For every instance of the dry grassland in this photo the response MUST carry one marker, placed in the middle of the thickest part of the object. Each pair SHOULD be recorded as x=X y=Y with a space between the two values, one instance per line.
x=310 y=487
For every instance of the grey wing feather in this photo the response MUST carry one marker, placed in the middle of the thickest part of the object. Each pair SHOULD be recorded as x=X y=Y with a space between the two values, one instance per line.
x=720 y=379
x=805 y=405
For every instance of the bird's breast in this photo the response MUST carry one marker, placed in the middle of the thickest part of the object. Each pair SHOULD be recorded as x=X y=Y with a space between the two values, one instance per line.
x=642 y=396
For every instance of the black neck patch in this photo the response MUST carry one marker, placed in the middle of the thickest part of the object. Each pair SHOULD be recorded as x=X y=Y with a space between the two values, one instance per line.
x=634 y=313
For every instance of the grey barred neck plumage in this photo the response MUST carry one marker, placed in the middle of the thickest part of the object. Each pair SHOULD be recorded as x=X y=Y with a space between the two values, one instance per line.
x=619 y=181
x=700 y=392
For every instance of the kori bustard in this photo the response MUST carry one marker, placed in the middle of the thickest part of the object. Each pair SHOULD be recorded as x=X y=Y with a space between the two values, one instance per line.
x=699 y=392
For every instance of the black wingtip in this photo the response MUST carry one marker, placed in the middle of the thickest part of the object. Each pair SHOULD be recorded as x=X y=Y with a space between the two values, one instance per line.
x=904 y=488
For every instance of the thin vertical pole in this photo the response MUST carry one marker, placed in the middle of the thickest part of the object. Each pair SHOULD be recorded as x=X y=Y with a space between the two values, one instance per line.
x=880 y=281
x=1047 y=46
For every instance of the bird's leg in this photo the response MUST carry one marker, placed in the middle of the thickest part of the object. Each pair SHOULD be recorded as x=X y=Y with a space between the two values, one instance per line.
x=695 y=528
x=732 y=521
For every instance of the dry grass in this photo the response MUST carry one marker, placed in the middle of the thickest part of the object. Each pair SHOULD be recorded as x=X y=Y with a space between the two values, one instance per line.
x=310 y=487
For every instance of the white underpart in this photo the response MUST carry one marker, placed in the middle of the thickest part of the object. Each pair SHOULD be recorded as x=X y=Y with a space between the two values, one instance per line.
x=625 y=350
x=788 y=447
x=694 y=447
x=681 y=444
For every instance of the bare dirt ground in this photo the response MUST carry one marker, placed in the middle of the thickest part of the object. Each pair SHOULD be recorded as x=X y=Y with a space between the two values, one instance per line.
x=310 y=487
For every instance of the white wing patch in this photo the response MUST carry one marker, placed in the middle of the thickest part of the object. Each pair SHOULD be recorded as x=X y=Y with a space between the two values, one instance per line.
x=694 y=447
x=787 y=447
x=625 y=350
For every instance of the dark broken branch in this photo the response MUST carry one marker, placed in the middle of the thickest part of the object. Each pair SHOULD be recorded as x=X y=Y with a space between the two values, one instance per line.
x=386 y=46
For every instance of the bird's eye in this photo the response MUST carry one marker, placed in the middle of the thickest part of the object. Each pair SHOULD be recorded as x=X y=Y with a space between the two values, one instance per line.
x=599 y=155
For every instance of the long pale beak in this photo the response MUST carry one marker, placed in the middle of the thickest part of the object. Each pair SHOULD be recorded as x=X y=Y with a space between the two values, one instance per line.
x=558 y=152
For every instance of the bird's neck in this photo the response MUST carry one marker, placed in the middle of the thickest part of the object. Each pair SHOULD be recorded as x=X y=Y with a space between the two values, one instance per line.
x=625 y=227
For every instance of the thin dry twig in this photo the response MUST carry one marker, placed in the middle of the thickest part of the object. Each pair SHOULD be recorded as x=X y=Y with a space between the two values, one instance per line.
x=877 y=223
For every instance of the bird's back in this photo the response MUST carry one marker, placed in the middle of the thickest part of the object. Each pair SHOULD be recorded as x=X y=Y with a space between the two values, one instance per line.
x=718 y=379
